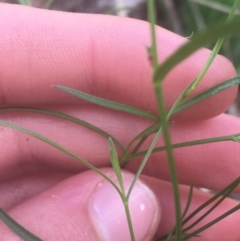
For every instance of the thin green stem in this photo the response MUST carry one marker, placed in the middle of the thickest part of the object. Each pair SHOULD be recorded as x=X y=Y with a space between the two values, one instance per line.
x=186 y=144
x=216 y=5
x=207 y=65
x=61 y=148
x=22 y=2
x=25 y=2
x=208 y=211
x=212 y=56
x=17 y=228
x=128 y=215
x=145 y=133
x=232 y=186
x=164 y=128
x=48 y=4
x=171 y=163
x=224 y=192
x=196 y=232
x=139 y=144
x=152 y=19
x=143 y=163
x=171 y=233
x=69 y=118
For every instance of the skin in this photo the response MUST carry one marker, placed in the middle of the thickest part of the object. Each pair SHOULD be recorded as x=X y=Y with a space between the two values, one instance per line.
x=103 y=56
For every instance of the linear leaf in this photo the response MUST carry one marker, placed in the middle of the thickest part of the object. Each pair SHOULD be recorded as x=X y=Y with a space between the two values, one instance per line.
x=144 y=161
x=17 y=228
x=108 y=103
x=59 y=147
x=223 y=192
x=190 y=195
x=208 y=93
x=145 y=133
x=204 y=38
x=115 y=164
x=208 y=225
x=211 y=57
x=69 y=118
x=234 y=137
x=215 y=5
x=48 y=4
x=216 y=197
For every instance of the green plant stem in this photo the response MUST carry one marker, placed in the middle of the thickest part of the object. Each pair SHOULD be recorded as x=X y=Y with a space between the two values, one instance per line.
x=152 y=19
x=196 y=232
x=128 y=215
x=64 y=116
x=48 y=4
x=207 y=65
x=17 y=228
x=232 y=186
x=233 y=137
x=224 y=192
x=171 y=164
x=143 y=163
x=141 y=137
x=215 y=5
x=209 y=211
x=161 y=108
x=61 y=148
x=190 y=47
x=212 y=56
x=117 y=169
x=139 y=144
x=25 y=2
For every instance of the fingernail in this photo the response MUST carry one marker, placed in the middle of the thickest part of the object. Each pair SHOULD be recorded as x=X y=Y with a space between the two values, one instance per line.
x=109 y=217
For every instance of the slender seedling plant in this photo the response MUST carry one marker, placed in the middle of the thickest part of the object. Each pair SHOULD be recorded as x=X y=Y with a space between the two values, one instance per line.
x=160 y=126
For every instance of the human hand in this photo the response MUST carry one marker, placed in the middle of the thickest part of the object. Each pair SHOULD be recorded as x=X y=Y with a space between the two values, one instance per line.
x=55 y=197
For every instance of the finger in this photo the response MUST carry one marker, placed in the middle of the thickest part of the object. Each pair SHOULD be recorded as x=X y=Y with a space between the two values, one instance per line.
x=213 y=165
x=101 y=55
x=226 y=229
x=17 y=190
x=22 y=154
x=86 y=207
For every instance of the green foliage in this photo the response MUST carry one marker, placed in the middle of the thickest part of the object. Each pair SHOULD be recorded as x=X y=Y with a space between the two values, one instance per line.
x=17 y=228
x=160 y=125
x=196 y=16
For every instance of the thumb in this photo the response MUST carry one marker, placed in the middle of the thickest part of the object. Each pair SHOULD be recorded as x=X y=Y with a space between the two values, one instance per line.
x=87 y=207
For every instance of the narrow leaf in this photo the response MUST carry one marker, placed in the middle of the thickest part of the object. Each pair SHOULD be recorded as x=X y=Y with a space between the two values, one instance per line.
x=223 y=192
x=48 y=4
x=215 y=5
x=204 y=38
x=61 y=148
x=208 y=93
x=218 y=195
x=234 y=137
x=17 y=228
x=142 y=136
x=115 y=164
x=208 y=225
x=212 y=56
x=108 y=103
x=190 y=195
x=139 y=144
x=145 y=133
x=69 y=118
x=144 y=161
